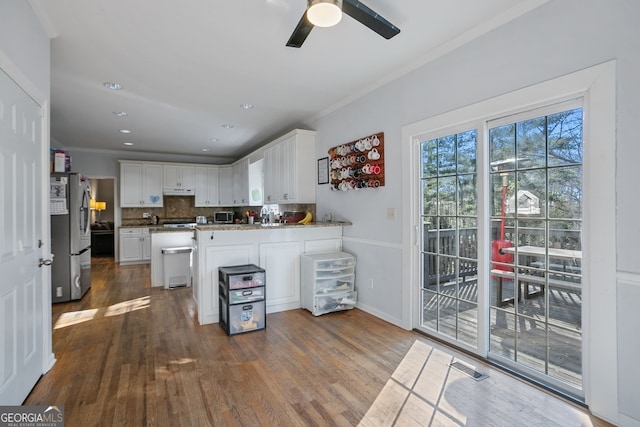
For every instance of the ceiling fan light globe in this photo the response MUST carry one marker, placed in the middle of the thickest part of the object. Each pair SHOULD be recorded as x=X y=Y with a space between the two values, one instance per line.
x=324 y=13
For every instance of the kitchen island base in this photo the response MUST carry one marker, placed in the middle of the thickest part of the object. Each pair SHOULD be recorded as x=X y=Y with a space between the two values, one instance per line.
x=275 y=249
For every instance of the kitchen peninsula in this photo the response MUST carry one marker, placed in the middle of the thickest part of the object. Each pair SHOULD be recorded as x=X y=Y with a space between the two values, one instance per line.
x=274 y=247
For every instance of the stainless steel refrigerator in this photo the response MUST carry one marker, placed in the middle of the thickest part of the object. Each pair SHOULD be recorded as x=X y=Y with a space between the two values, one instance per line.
x=70 y=236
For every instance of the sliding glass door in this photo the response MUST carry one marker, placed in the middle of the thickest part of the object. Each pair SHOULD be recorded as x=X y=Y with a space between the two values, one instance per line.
x=532 y=188
x=536 y=266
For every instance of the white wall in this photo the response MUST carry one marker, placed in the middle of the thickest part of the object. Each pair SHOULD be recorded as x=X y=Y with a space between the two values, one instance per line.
x=558 y=38
x=25 y=42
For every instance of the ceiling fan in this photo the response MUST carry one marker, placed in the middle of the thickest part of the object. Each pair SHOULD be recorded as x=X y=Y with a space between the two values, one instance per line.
x=353 y=8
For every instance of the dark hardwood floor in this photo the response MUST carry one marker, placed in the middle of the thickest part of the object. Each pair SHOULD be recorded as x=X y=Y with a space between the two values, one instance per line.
x=131 y=355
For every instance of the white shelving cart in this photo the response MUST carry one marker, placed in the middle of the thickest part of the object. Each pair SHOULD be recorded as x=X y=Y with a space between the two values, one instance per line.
x=328 y=282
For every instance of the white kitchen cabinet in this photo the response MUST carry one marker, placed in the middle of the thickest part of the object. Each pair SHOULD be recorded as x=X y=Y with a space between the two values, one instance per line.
x=323 y=245
x=271 y=174
x=290 y=169
x=140 y=184
x=146 y=245
x=225 y=185
x=206 y=186
x=211 y=258
x=290 y=173
x=281 y=260
x=240 y=173
x=328 y=282
x=135 y=245
x=178 y=176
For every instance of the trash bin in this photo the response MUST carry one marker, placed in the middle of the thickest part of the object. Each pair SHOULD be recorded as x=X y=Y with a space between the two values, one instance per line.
x=177 y=267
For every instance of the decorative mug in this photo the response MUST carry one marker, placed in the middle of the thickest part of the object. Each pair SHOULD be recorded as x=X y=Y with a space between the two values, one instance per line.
x=375 y=169
x=375 y=141
x=366 y=168
x=373 y=154
x=367 y=144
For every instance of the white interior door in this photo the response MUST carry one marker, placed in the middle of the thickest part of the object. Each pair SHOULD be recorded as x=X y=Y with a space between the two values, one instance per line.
x=21 y=237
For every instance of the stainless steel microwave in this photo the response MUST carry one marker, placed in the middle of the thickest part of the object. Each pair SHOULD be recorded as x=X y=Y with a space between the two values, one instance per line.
x=223 y=217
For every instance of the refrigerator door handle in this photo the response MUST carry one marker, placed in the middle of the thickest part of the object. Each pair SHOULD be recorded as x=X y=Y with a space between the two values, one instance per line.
x=85 y=217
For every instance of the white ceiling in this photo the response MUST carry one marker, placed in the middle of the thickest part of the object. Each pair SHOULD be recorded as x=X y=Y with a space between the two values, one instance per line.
x=187 y=65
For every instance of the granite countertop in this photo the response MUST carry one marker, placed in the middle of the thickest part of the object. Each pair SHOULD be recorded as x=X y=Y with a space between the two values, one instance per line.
x=270 y=226
x=229 y=227
x=159 y=228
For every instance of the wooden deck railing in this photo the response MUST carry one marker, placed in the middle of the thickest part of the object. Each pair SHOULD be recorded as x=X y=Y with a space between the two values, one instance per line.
x=443 y=242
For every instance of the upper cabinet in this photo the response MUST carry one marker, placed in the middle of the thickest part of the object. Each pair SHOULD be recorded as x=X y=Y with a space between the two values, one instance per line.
x=282 y=172
x=178 y=176
x=140 y=184
x=241 y=182
x=225 y=185
x=206 y=186
x=290 y=169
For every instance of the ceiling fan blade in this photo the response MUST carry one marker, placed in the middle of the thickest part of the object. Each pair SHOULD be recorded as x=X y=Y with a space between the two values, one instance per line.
x=301 y=32
x=369 y=18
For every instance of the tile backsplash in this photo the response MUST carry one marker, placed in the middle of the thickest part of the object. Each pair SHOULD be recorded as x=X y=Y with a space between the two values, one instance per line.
x=183 y=208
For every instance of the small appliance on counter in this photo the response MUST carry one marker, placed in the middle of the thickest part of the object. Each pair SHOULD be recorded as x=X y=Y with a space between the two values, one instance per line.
x=225 y=217
x=201 y=219
x=292 y=217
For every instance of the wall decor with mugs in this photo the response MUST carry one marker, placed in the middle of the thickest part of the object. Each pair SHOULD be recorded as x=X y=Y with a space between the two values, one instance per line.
x=358 y=164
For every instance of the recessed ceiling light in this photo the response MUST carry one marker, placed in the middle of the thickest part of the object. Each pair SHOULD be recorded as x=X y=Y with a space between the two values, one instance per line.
x=246 y=106
x=227 y=126
x=213 y=139
x=120 y=113
x=112 y=86
x=125 y=131
x=205 y=150
x=128 y=144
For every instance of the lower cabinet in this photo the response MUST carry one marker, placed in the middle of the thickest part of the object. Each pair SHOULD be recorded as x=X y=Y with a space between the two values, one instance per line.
x=211 y=258
x=135 y=245
x=282 y=263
